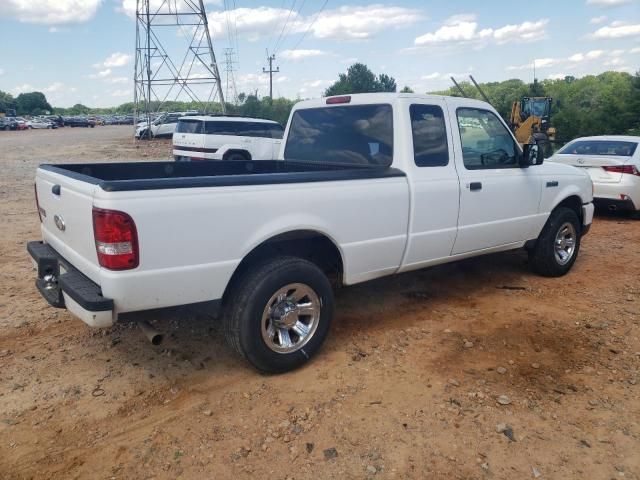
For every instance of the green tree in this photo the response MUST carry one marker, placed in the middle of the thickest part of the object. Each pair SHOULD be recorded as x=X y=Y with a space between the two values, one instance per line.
x=406 y=89
x=359 y=79
x=33 y=103
x=386 y=83
x=7 y=102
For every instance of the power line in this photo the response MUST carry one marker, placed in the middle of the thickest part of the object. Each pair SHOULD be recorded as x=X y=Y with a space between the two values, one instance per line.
x=273 y=34
x=293 y=5
x=311 y=24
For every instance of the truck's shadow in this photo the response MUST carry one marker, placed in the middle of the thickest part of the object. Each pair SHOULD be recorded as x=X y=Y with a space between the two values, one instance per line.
x=194 y=340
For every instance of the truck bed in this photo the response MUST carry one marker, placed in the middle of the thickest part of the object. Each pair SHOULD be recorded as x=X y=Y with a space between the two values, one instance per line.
x=130 y=176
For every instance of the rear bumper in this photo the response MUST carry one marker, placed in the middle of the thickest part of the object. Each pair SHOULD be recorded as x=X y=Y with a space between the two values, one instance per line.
x=615 y=204
x=63 y=286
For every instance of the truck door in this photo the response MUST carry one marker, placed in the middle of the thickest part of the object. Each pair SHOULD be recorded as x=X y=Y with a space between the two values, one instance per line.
x=499 y=200
x=435 y=187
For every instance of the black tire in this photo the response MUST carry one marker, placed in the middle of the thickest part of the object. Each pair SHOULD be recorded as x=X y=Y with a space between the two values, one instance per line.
x=635 y=215
x=542 y=256
x=245 y=304
x=236 y=156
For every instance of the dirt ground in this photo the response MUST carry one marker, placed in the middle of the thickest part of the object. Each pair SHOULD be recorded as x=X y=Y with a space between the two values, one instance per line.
x=408 y=385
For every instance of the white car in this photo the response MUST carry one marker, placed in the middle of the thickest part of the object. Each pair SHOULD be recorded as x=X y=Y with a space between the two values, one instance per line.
x=369 y=185
x=613 y=163
x=161 y=127
x=226 y=138
x=40 y=123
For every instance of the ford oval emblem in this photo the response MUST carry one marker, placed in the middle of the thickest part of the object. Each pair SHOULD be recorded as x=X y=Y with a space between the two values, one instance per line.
x=59 y=221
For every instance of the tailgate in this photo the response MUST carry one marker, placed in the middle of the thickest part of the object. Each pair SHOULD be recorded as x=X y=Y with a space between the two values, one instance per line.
x=67 y=223
x=594 y=165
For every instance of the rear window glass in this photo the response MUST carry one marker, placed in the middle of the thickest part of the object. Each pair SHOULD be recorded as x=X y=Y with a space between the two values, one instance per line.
x=189 y=126
x=358 y=134
x=599 y=147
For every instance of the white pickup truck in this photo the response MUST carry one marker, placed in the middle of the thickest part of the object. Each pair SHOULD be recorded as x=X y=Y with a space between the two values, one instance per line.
x=369 y=185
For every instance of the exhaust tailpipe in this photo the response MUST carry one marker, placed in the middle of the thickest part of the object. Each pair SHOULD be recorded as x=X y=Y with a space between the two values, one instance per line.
x=154 y=336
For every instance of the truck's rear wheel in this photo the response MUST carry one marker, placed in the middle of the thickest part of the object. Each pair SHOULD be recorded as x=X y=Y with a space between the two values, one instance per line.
x=278 y=315
x=557 y=247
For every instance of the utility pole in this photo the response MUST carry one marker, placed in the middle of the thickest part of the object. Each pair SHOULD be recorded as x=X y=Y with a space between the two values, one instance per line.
x=271 y=71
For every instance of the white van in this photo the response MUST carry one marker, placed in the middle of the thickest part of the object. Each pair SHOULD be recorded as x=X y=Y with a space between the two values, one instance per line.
x=226 y=138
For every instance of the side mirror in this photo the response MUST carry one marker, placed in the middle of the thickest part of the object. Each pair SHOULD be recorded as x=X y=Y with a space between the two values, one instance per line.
x=532 y=154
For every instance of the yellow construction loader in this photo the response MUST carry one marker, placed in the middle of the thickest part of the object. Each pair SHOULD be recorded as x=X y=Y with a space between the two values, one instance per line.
x=529 y=120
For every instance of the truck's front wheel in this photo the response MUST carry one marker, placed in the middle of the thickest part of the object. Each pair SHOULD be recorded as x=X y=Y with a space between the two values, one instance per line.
x=557 y=247
x=278 y=315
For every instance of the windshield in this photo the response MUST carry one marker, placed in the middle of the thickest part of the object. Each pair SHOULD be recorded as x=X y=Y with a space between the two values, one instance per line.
x=599 y=147
x=535 y=107
x=357 y=134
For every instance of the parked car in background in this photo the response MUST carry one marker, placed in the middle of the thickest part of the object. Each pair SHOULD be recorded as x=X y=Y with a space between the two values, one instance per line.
x=161 y=127
x=613 y=163
x=79 y=122
x=8 y=123
x=57 y=119
x=40 y=123
x=226 y=138
x=22 y=123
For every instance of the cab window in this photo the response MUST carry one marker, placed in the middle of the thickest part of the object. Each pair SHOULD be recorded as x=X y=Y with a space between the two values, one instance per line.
x=486 y=142
x=429 y=136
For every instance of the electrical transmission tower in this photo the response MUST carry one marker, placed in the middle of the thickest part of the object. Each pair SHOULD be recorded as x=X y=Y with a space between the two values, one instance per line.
x=166 y=71
x=230 y=90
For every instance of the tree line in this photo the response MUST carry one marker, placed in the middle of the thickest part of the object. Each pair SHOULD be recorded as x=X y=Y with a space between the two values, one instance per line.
x=605 y=104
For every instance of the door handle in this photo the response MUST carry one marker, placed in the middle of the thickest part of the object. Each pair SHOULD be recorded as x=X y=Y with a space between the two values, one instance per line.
x=55 y=190
x=475 y=186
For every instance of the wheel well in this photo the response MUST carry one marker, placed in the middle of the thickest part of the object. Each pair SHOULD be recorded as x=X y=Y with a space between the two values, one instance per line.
x=574 y=203
x=245 y=153
x=308 y=244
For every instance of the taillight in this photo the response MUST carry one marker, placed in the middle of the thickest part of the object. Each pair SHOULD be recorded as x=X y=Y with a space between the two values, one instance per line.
x=336 y=100
x=35 y=189
x=629 y=169
x=116 y=239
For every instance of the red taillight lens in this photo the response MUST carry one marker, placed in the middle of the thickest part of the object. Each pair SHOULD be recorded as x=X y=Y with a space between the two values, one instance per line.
x=629 y=169
x=335 y=100
x=116 y=239
x=35 y=189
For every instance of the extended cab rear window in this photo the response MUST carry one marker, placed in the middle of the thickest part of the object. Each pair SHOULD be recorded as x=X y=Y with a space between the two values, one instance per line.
x=614 y=148
x=189 y=126
x=355 y=134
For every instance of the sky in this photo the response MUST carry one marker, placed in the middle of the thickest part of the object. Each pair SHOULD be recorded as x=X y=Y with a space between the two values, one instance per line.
x=82 y=51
